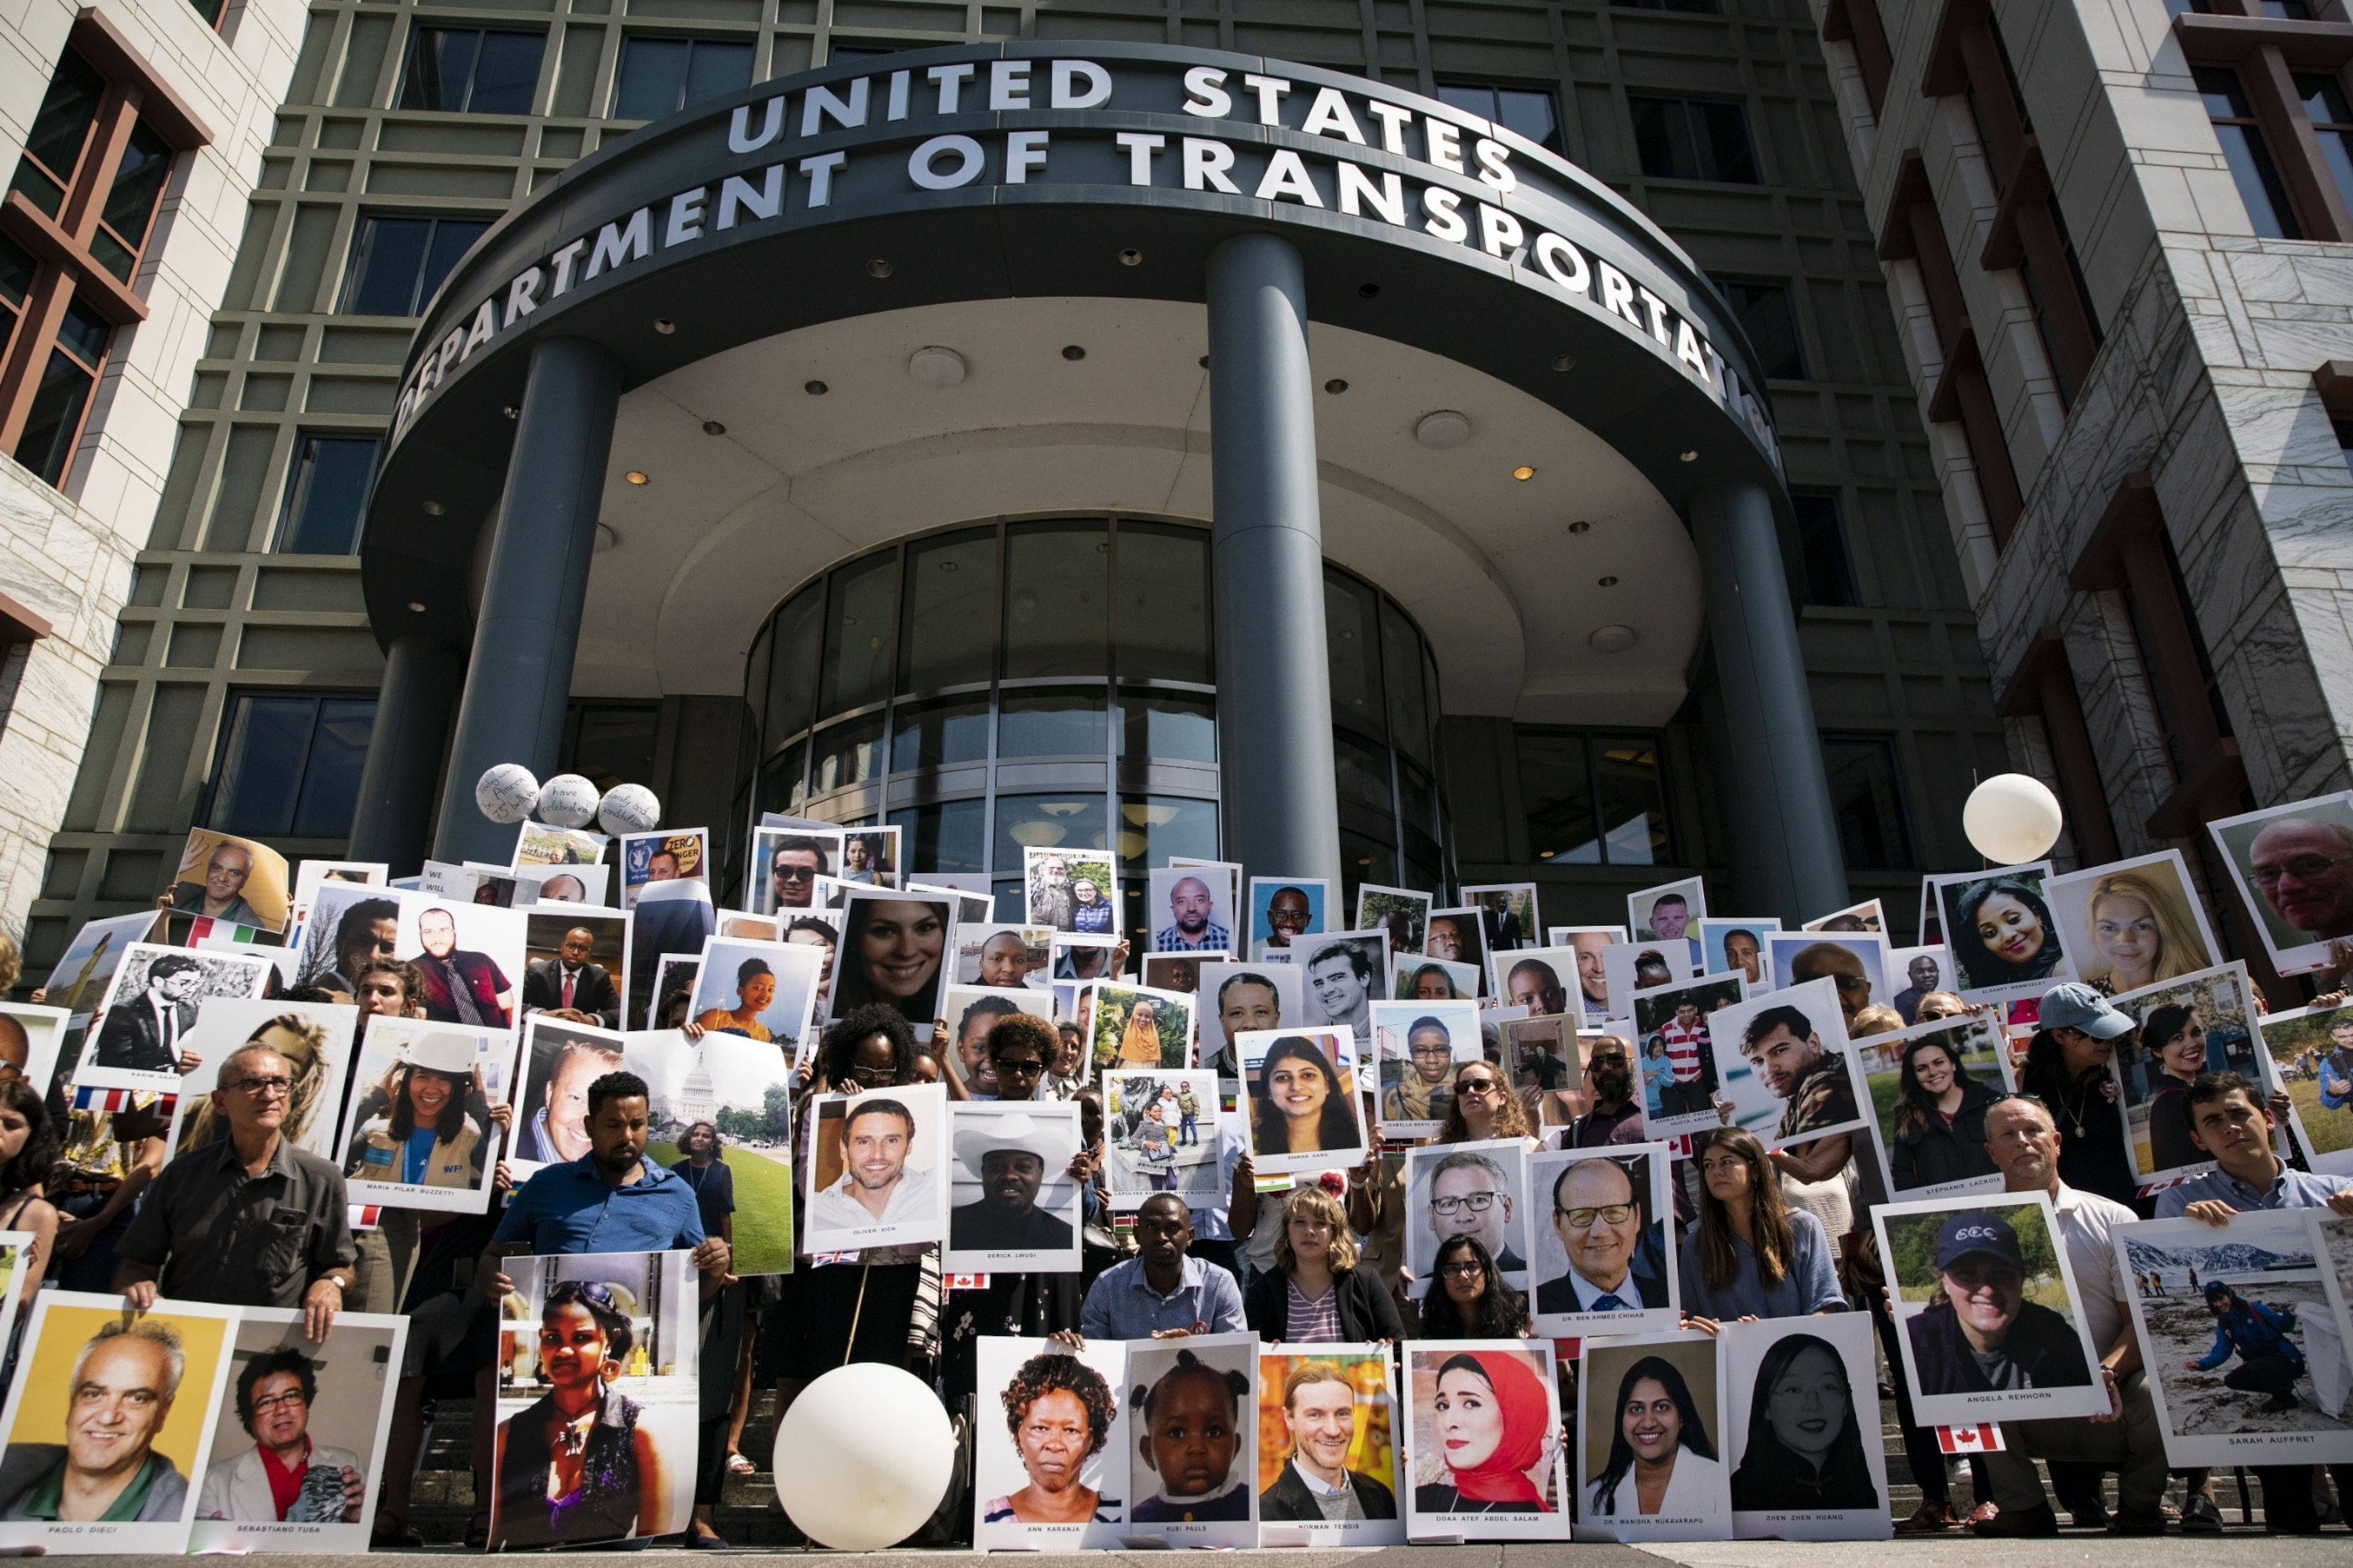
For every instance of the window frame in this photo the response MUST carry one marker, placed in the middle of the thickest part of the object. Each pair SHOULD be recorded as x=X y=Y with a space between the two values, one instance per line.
x=622 y=62
x=1684 y=104
x=1586 y=739
x=1890 y=747
x=416 y=45
x=232 y=702
x=281 y=530
x=421 y=295
x=1549 y=91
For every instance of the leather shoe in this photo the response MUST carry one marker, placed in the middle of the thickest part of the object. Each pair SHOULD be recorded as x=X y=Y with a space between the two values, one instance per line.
x=2199 y=1516
x=2137 y=1525
x=2018 y=1522
x=1926 y=1520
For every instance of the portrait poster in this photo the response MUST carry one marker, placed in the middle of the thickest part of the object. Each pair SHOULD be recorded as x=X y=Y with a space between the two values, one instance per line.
x=1509 y=909
x=1434 y=979
x=782 y=870
x=1160 y=1134
x=1909 y=1079
x=554 y=938
x=472 y=955
x=673 y=990
x=1133 y=1027
x=1000 y=955
x=2334 y=1236
x=1346 y=972
x=1630 y=968
x=1072 y=957
x=1475 y=1190
x=1602 y=1221
x=1188 y=911
x=1050 y=878
x=1856 y=960
x=1419 y=1045
x=1179 y=972
x=413 y=1073
x=1788 y=1070
x=314 y=1038
x=1403 y=912
x=739 y=1092
x=877 y=1169
x=310 y=875
x=764 y=992
x=1235 y=997
x=972 y=1010
x=1668 y=911
x=1483 y=1456
x=1681 y=1055
x=870 y=857
x=2202 y=1022
x=1545 y=980
x=1802 y=1429
x=1050 y=1445
x=2132 y=923
x=667 y=855
x=1192 y=1468
x=1284 y=908
x=1995 y=1257
x=1645 y=1399
x=2202 y=1297
x=2311 y=1051
x=561 y=883
x=348 y=925
x=493 y=886
x=1736 y=943
x=1230 y=871
x=1299 y=1101
x=1328 y=1418
x=744 y=923
x=86 y=969
x=606 y=1341
x=1459 y=935
x=151 y=1008
x=2293 y=866
x=2005 y=945
x=129 y=1360
x=1866 y=915
x=239 y=882
x=540 y=843
x=893 y=951
x=328 y=1404
x=1012 y=1204
x=30 y=1040
x=670 y=917
x=976 y=905
x=15 y=1246
x=1915 y=972
x=1561 y=936
x=1546 y=1068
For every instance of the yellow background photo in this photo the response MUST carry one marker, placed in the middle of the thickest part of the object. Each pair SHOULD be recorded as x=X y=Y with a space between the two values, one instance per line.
x=47 y=1373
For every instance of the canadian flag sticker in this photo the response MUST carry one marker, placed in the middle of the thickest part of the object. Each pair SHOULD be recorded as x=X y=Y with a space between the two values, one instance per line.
x=1984 y=1438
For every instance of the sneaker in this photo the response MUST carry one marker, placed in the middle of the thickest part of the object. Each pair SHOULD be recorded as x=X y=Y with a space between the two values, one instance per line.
x=2199 y=1516
x=2280 y=1403
x=2036 y=1520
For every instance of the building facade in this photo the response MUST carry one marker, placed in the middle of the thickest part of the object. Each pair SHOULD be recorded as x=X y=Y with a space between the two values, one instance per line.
x=245 y=687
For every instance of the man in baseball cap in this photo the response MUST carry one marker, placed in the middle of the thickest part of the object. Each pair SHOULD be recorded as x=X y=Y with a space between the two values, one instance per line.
x=1980 y=1334
x=1009 y=1155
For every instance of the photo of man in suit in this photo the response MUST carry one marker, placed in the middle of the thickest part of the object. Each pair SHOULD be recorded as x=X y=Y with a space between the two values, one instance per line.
x=1599 y=1214
x=569 y=982
x=461 y=987
x=1319 y=1412
x=142 y=1034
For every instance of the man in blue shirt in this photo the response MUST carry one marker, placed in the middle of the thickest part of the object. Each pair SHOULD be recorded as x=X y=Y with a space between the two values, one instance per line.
x=1160 y=1293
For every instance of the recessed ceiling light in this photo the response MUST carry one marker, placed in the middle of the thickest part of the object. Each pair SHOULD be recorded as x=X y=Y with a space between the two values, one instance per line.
x=1691 y=457
x=814 y=388
x=1612 y=639
x=878 y=267
x=636 y=476
x=714 y=428
x=1368 y=290
x=606 y=538
x=935 y=366
x=417 y=606
x=664 y=325
x=1608 y=582
x=1073 y=352
x=1580 y=526
x=511 y=411
x=1131 y=258
x=1442 y=429
x=1335 y=386
x=434 y=509
x=1524 y=473
x=1566 y=362
x=1205 y=362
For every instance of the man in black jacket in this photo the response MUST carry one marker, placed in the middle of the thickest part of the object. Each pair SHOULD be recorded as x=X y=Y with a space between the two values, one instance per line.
x=570 y=983
x=142 y=1032
x=1984 y=1335
x=1319 y=1410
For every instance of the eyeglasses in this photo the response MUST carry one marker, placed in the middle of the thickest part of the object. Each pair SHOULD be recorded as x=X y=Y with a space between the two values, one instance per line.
x=1608 y=1213
x=1466 y=1269
x=264 y=1405
x=262 y=1087
x=1470 y=1202
x=2303 y=868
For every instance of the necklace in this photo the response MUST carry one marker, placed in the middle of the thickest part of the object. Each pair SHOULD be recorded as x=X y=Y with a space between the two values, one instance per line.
x=2076 y=1107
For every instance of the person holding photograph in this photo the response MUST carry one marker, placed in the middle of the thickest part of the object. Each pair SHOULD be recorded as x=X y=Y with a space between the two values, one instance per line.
x=1601 y=1212
x=2002 y=933
x=2138 y=934
x=1422 y=1091
x=107 y=1470
x=425 y=1137
x=756 y=992
x=1192 y=1434
x=1468 y=1298
x=1612 y=1114
x=568 y=983
x=1751 y=1255
x=1492 y=1423
x=1804 y=1450
x=1059 y=1411
x=1299 y=1102
x=1315 y=1294
x=303 y=1045
x=1940 y=1115
x=1979 y=1333
x=284 y=1478
x=2067 y=1069
x=220 y=895
x=1658 y=1442
x=1342 y=978
x=575 y=1467
x=1319 y=1418
x=1091 y=912
x=894 y=949
x=2175 y=1039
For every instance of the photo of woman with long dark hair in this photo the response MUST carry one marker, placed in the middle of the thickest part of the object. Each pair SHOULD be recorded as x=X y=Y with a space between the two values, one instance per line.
x=1940 y=1133
x=2001 y=932
x=1468 y=1298
x=1805 y=1444
x=1658 y=1442
x=1300 y=1103
x=1490 y=1425
x=425 y=1137
x=892 y=953
x=574 y=1466
x=2173 y=1038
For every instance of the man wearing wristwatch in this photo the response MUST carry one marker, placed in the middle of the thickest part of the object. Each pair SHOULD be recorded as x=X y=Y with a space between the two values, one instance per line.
x=250 y=1221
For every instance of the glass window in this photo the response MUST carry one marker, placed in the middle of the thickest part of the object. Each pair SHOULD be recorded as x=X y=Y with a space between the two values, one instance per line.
x=53 y=419
x=1072 y=821
x=792 y=678
x=858 y=634
x=130 y=203
x=950 y=836
x=1693 y=139
x=1154 y=827
x=53 y=148
x=1869 y=807
x=1532 y=111
x=1350 y=621
x=472 y=70
x=1418 y=793
x=949 y=625
x=1364 y=773
x=1051 y=724
x=2251 y=170
x=1056 y=619
x=783 y=786
x=1402 y=656
x=846 y=754
x=1708 y=7
x=326 y=500
x=2332 y=123
x=611 y=744
x=1162 y=725
x=1830 y=570
x=1633 y=799
x=1163 y=603
x=1557 y=794
x=662 y=75
x=1771 y=326
x=1364 y=860
x=398 y=262
x=940 y=733
x=290 y=766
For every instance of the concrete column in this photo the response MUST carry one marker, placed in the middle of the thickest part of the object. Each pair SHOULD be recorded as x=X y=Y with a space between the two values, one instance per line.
x=403 y=772
x=1274 y=684
x=1785 y=842
x=525 y=639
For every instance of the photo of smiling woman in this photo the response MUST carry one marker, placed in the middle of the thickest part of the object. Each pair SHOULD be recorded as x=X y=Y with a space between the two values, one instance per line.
x=1801 y=1444
x=2004 y=942
x=892 y=952
x=2131 y=925
x=1485 y=1440
x=1304 y=1110
x=1661 y=1478
x=430 y=1104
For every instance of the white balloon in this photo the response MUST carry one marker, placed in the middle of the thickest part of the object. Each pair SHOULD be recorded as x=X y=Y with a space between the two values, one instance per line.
x=568 y=801
x=629 y=809
x=506 y=793
x=863 y=1457
x=2011 y=819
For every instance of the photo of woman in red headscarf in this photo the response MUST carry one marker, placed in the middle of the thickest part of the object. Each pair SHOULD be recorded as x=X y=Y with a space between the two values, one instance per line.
x=1489 y=1440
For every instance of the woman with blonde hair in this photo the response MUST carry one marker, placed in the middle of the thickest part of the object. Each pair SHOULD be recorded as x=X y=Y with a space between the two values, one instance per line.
x=1315 y=1294
x=2139 y=935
